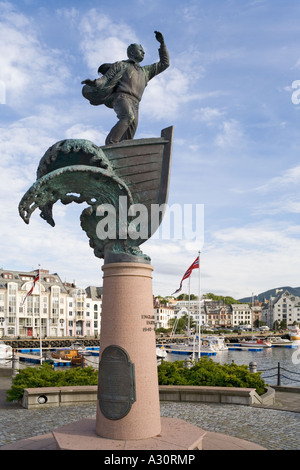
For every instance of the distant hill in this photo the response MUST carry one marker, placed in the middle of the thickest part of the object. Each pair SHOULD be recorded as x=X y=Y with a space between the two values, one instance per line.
x=271 y=292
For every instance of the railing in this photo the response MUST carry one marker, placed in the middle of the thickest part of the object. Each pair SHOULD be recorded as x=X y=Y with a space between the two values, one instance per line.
x=278 y=373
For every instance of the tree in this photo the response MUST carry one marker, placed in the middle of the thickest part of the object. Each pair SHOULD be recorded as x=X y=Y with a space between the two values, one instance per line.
x=226 y=299
x=283 y=324
x=186 y=297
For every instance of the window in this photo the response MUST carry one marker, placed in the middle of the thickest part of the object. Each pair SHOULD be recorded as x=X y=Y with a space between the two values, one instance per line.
x=7 y=276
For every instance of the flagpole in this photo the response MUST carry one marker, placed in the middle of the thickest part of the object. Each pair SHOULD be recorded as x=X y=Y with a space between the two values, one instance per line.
x=189 y=308
x=40 y=310
x=199 y=321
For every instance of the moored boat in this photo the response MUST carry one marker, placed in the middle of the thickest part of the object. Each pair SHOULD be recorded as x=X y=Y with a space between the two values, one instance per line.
x=80 y=348
x=5 y=351
x=279 y=341
x=212 y=344
x=68 y=355
x=262 y=343
x=161 y=353
x=294 y=334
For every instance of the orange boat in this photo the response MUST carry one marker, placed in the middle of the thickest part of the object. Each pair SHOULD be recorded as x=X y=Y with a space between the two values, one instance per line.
x=67 y=355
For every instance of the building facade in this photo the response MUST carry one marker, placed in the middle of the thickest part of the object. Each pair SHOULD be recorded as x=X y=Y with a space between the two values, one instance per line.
x=218 y=314
x=182 y=307
x=54 y=308
x=241 y=315
x=163 y=313
x=284 y=307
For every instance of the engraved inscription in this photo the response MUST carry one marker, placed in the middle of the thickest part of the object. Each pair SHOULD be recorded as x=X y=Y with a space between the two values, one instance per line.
x=149 y=321
x=116 y=383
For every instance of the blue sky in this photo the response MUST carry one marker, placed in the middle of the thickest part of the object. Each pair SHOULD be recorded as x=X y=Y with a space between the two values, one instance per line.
x=228 y=93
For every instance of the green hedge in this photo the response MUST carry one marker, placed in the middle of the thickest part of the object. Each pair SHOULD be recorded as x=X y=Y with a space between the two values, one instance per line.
x=45 y=376
x=205 y=372
x=209 y=373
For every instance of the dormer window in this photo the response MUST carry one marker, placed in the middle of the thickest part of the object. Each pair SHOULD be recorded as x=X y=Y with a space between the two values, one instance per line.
x=7 y=276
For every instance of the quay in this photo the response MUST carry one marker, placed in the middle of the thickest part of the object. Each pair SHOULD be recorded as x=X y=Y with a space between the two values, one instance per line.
x=188 y=352
x=89 y=341
x=35 y=359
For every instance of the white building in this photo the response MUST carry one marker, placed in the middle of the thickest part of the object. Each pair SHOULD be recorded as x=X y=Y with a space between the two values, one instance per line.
x=94 y=303
x=284 y=307
x=241 y=315
x=54 y=308
x=162 y=315
x=183 y=306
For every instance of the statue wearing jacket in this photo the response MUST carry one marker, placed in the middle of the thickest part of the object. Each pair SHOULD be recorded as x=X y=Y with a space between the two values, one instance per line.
x=122 y=85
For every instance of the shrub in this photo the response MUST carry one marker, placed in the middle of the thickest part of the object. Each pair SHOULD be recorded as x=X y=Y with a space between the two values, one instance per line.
x=209 y=373
x=45 y=376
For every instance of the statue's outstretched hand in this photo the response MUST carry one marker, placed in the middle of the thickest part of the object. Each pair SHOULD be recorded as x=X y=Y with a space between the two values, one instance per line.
x=159 y=37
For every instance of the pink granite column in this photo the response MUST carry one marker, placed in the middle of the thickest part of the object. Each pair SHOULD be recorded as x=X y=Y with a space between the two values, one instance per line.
x=127 y=322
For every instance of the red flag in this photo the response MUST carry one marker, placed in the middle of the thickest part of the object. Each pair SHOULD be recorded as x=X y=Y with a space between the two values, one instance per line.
x=31 y=290
x=188 y=272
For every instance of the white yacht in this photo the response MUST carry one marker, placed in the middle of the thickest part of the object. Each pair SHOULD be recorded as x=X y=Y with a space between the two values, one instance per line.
x=212 y=344
x=161 y=353
x=256 y=342
x=5 y=351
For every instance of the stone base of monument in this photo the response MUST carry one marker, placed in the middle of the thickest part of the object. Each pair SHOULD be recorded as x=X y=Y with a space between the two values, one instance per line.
x=128 y=399
x=175 y=434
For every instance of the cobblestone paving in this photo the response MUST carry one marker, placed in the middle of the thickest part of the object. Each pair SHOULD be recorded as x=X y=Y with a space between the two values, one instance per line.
x=272 y=429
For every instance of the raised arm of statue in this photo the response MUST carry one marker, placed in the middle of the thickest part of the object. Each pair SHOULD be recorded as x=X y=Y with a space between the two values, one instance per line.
x=164 y=60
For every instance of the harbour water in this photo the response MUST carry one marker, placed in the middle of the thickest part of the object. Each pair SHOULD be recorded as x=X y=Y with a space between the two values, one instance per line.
x=267 y=361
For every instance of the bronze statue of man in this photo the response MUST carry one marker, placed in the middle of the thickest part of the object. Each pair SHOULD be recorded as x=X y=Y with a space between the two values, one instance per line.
x=122 y=85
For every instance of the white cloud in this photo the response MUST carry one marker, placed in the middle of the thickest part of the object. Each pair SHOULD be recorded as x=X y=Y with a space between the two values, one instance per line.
x=103 y=40
x=291 y=176
x=80 y=131
x=231 y=134
x=236 y=261
x=164 y=94
x=209 y=115
x=28 y=69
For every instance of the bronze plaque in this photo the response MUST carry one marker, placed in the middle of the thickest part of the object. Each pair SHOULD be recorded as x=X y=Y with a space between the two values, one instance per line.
x=116 y=383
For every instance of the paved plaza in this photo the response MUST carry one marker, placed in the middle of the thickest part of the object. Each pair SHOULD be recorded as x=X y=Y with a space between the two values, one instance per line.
x=275 y=428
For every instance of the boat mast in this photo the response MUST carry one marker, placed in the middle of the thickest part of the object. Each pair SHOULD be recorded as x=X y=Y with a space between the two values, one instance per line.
x=188 y=329
x=199 y=316
x=252 y=311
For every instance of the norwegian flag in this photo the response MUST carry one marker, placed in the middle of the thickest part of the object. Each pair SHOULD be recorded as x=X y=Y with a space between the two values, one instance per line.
x=187 y=274
x=34 y=283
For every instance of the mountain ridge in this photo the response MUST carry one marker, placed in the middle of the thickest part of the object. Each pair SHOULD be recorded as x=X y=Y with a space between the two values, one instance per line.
x=271 y=292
